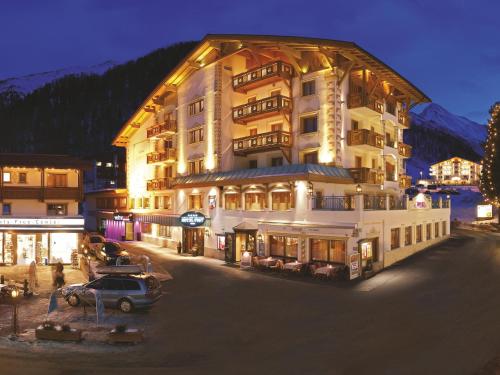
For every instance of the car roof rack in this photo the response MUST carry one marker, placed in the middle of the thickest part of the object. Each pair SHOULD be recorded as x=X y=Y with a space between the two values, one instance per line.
x=120 y=270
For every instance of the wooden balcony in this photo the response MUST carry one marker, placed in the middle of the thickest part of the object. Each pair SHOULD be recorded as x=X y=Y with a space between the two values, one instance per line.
x=40 y=193
x=365 y=137
x=261 y=76
x=267 y=107
x=403 y=119
x=159 y=184
x=367 y=175
x=404 y=181
x=404 y=150
x=364 y=101
x=166 y=128
x=269 y=141
x=168 y=155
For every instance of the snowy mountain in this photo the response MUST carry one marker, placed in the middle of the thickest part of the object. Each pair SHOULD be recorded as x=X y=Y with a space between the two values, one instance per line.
x=436 y=134
x=29 y=83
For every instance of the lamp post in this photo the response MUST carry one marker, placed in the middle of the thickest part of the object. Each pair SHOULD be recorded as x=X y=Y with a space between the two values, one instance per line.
x=14 y=294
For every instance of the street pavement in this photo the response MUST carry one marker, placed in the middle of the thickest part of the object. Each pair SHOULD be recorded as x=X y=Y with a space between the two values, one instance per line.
x=434 y=313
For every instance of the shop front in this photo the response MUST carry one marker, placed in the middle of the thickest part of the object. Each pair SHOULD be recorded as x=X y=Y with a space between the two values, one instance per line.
x=243 y=239
x=368 y=250
x=193 y=232
x=42 y=240
x=121 y=226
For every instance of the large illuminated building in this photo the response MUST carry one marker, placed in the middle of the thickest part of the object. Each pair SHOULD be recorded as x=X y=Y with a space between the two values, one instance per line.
x=456 y=171
x=290 y=147
x=39 y=197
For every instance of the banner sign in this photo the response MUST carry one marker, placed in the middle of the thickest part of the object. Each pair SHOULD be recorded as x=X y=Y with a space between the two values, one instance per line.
x=354 y=266
x=484 y=211
x=40 y=221
x=192 y=219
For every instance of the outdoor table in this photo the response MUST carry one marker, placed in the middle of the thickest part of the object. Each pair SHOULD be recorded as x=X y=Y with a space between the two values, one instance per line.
x=294 y=266
x=268 y=262
x=327 y=271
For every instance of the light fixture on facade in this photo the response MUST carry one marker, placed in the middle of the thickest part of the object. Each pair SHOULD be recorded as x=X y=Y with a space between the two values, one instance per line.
x=310 y=188
x=381 y=186
x=359 y=189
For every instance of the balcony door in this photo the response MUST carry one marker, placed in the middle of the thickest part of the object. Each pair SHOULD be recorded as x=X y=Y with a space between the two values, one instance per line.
x=358 y=161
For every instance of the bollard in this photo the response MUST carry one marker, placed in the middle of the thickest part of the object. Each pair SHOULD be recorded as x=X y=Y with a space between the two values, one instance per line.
x=25 y=288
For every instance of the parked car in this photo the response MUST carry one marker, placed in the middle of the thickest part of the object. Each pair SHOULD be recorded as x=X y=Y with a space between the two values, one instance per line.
x=111 y=251
x=93 y=243
x=125 y=292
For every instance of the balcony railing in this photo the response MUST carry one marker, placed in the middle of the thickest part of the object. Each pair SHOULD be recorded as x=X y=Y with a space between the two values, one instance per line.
x=258 y=109
x=435 y=203
x=333 y=203
x=397 y=203
x=445 y=203
x=367 y=175
x=261 y=76
x=404 y=181
x=167 y=127
x=359 y=101
x=403 y=118
x=390 y=176
x=168 y=155
x=404 y=149
x=40 y=193
x=262 y=142
x=374 y=202
x=159 y=184
x=365 y=137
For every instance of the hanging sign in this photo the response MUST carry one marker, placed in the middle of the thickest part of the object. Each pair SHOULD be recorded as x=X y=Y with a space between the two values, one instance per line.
x=192 y=219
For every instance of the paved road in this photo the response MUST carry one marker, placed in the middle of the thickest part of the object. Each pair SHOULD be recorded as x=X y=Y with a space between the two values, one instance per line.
x=435 y=313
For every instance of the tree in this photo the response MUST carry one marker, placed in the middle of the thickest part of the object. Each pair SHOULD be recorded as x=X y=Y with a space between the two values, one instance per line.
x=490 y=175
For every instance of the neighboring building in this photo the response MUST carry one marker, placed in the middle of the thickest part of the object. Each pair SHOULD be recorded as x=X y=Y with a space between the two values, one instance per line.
x=39 y=197
x=100 y=206
x=108 y=172
x=287 y=146
x=456 y=171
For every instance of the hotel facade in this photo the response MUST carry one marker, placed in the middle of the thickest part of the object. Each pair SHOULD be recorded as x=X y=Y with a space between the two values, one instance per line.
x=278 y=146
x=39 y=196
x=456 y=171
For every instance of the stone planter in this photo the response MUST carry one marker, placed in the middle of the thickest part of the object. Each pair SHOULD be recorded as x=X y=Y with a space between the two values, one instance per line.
x=57 y=334
x=130 y=335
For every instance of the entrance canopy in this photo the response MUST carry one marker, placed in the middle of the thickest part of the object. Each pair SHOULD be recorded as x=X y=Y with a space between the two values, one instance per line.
x=245 y=226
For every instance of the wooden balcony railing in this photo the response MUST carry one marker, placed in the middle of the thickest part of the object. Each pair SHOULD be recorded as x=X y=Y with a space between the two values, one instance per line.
x=167 y=127
x=333 y=203
x=262 y=75
x=41 y=193
x=266 y=107
x=262 y=142
x=403 y=118
x=367 y=175
x=365 y=137
x=168 y=155
x=374 y=202
x=404 y=181
x=159 y=184
x=359 y=100
x=404 y=149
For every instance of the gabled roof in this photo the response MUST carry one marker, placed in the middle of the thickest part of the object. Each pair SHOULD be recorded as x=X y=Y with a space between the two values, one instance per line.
x=216 y=46
x=293 y=172
x=43 y=161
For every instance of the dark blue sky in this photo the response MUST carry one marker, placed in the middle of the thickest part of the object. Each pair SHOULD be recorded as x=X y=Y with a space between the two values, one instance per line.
x=448 y=48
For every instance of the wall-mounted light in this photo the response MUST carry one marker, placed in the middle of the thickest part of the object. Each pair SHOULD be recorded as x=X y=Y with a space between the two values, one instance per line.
x=310 y=188
x=359 y=189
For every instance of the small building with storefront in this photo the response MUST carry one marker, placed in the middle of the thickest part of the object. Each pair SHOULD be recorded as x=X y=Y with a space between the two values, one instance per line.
x=39 y=197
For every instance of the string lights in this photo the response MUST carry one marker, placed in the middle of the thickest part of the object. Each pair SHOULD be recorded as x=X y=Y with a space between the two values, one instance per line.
x=490 y=176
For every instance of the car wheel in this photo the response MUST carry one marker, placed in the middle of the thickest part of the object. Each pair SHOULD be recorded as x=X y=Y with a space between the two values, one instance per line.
x=125 y=305
x=73 y=300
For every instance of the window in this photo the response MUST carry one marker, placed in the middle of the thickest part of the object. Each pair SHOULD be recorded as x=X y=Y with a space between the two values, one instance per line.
x=195 y=135
x=311 y=157
x=419 y=233
x=57 y=209
x=327 y=250
x=132 y=203
x=167 y=202
x=408 y=236
x=112 y=284
x=282 y=246
x=146 y=228
x=276 y=92
x=195 y=202
x=436 y=230
x=157 y=202
x=255 y=201
x=276 y=127
x=57 y=180
x=308 y=88
x=276 y=162
x=443 y=228
x=395 y=234
x=196 y=107
x=428 y=230
x=354 y=125
x=145 y=202
x=252 y=164
x=22 y=177
x=232 y=201
x=253 y=131
x=6 y=209
x=281 y=200
x=130 y=285
x=165 y=231
x=196 y=166
x=7 y=177
x=309 y=124
x=252 y=99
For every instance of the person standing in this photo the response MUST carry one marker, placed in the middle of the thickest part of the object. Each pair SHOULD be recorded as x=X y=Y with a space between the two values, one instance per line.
x=33 y=277
x=59 y=276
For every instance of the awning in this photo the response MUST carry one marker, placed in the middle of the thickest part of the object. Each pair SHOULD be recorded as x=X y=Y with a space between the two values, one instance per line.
x=245 y=226
x=168 y=220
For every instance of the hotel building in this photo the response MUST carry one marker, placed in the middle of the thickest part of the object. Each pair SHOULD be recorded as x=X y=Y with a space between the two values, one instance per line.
x=456 y=171
x=39 y=197
x=283 y=146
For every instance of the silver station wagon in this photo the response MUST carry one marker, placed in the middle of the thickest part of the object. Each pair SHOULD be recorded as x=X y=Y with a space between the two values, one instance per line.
x=125 y=292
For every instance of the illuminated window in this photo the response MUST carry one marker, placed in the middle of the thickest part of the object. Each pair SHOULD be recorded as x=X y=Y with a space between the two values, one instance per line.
x=98 y=163
x=328 y=250
x=196 y=166
x=7 y=177
x=165 y=231
x=284 y=246
x=428 y=231
x=255 y=201
x=232 y=201
x=195 y=135
x=57 y=180
x=395 y=234
x=419 y=233
x=109 y=165
x=195 y=202
x=196 y=107
x=281 y=200
x=57 y=209
x=22 y=178
x=408 y=236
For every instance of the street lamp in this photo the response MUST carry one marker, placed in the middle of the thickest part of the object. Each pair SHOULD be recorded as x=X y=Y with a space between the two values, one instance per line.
x=14 y=294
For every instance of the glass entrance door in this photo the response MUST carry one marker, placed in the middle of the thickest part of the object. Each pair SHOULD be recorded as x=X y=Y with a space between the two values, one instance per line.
x=26 y=248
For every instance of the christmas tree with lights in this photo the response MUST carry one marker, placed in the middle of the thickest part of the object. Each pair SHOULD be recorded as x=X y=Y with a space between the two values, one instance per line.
x=490 y=175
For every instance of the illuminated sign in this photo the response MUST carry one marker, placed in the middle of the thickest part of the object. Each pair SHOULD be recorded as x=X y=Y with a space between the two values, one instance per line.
x=123 y=216
x=484 y=211
x=420 y=201
x=192 y=219
x=41 y=221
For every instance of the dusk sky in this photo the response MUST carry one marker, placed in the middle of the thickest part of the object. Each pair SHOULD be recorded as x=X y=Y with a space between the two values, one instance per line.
x=450 y=49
